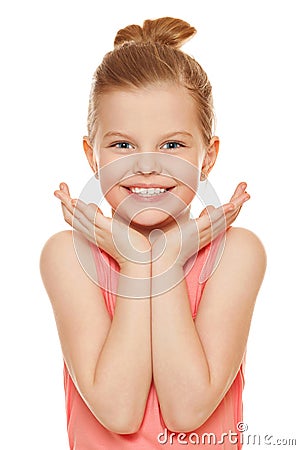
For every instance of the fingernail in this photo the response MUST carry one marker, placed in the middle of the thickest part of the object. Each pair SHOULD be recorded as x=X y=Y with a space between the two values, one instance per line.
x=61 y=186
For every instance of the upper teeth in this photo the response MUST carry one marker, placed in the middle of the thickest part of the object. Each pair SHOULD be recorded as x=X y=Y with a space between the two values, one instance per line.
x=149 y=191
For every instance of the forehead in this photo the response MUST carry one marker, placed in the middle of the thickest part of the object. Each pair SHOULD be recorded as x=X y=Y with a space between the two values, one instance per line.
x=148 y=109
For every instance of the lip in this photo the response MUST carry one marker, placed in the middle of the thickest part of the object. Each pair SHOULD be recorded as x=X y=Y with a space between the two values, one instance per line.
x=155 y=198
x=147 y=186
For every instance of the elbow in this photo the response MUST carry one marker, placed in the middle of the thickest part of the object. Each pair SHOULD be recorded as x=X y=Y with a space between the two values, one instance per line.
x=186 y=426
x=118 y=420
x=116 y=414
x=185 y=422
x=191 y=414
x=121 y=425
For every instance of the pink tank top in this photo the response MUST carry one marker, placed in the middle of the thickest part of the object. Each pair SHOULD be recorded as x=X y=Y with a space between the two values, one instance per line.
x=219 y=431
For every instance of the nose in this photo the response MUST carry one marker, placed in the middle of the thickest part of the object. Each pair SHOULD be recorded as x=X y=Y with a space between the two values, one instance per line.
x=147 y=163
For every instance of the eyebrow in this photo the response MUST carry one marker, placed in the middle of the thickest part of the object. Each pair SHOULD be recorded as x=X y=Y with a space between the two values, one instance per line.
x=117 y=134
x=177 y=133
x=166 y=136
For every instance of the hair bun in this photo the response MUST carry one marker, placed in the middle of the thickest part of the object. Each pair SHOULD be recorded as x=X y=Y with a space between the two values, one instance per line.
x=166 y=30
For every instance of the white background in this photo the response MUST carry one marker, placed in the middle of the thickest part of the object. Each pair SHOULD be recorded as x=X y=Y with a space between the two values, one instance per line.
x=49 y=51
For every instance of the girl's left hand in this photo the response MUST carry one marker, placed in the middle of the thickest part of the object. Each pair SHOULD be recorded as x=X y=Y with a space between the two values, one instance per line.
x=186 y=238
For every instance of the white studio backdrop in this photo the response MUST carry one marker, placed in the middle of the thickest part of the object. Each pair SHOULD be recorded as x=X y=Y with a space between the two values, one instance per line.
x=49 y=51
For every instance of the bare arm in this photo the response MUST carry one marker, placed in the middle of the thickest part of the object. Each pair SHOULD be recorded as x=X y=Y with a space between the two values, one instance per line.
x=109 y=361
x=196 y=362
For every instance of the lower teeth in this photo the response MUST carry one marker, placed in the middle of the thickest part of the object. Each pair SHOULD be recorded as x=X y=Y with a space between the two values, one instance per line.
x=149 y=195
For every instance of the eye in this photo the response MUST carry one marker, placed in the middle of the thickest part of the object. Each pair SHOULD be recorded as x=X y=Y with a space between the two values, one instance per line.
x=122 y=145
x=172 y=145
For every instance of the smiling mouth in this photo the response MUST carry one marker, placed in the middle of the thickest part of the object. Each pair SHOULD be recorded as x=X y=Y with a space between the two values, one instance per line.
x=150 y=192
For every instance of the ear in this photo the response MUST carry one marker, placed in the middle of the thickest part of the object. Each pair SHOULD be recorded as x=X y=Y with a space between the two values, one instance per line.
x=89 y=153
x=211 y=155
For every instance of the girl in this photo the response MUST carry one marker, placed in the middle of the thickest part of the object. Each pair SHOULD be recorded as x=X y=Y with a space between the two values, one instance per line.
x=153 y=351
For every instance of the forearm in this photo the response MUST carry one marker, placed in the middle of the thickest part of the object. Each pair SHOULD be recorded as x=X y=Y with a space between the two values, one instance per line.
x=124 y=369
x=180 y=368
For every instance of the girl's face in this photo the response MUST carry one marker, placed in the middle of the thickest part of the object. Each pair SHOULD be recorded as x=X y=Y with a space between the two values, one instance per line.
x=149 y=151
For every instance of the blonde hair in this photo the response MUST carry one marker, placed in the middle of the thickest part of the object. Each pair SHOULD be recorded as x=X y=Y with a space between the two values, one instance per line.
x=151 y=55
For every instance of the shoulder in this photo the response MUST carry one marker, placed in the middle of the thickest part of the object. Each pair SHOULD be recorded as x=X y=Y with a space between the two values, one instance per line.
x=62 y=252
x=238 y=271
x=58 y=256
x=244 y=241
x=242 y=260
x=67 y=264
x=58 y=244
x=59 y=238
x=245 y=251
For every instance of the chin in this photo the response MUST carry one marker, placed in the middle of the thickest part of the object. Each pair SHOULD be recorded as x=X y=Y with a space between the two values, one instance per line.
x=151 y=218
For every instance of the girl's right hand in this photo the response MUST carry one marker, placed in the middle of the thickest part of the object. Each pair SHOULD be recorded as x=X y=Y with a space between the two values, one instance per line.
x=126 y=245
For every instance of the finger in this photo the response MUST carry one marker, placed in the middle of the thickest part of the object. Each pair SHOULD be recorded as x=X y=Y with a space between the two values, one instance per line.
x=232 y=214
x=84 y=220
x=67 y=207
x=82 y=206
x=241 y=187
x=220 y=212
x=240 y=200
x=93 y=213
x=238 y=194
x=64 y=198
x=78 y=225
x=217 y=220
x=211 y=213
x=92 y=218
x=212 y=229
x=73 y=216
x=220 y=224
x=65 y=188
x=68 y=216
x=62 y=193
x=88 y=210
x=207 y=210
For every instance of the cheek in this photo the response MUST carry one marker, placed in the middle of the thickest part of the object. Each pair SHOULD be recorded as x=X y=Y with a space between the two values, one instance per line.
x=187 y=194
x=114 y=169
x=111 y=172
x=184 y=170
x=114 y=197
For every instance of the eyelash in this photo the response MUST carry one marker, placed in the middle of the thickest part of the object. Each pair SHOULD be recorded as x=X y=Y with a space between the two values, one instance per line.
x=178 y=145
x=122 y=149
x=120 y=143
